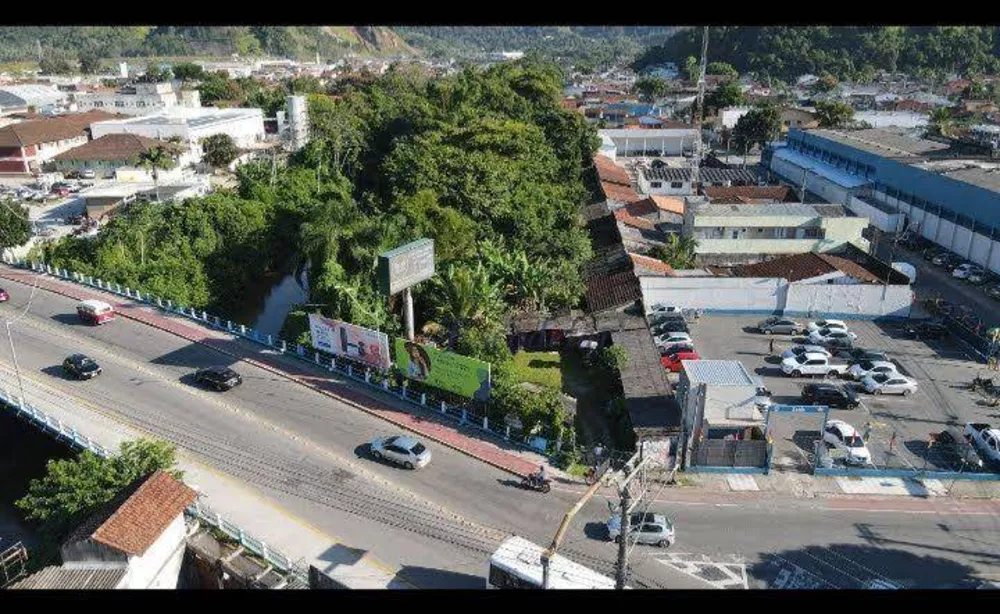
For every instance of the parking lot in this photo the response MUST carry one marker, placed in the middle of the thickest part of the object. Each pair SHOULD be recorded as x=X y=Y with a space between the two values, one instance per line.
x=50 y=217
x=900 y=426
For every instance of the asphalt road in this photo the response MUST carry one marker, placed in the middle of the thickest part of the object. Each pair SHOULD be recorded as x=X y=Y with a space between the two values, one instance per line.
x=306 y=452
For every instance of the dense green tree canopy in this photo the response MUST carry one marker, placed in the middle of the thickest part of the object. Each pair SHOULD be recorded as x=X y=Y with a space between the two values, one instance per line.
x=15 y=227
x=833 y=114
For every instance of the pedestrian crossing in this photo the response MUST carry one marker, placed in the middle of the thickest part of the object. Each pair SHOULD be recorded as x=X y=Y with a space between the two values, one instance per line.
x=718 y=575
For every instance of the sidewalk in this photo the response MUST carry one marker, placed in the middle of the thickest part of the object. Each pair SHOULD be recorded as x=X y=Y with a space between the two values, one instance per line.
x=238 y=504
x=469 y=440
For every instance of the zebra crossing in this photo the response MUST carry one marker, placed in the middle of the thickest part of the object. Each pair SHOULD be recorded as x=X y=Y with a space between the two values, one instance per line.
x=724 y=575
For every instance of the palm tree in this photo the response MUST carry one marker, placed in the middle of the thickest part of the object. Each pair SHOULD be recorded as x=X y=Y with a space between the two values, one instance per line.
x=678 y=251
x=464 y=295
x=154 y=159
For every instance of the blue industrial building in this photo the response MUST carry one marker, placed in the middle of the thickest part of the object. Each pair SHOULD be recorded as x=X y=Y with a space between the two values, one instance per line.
x=899 y=181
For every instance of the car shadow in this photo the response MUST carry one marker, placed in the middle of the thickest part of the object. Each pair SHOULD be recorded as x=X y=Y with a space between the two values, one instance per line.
x=751 y=330
x=70 y=319
x=364 y=451
x=596 y=530
x=771 y=360
x=58 y=372
x=769 y=372
x=189 y=379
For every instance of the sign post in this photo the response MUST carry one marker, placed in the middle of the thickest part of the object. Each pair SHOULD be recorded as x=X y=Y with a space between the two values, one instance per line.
x=402 y=268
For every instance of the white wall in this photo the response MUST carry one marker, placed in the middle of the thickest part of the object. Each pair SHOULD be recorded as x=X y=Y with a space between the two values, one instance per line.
x=960 y=245
x=980 y=249
x=160 y=565
x=886 y=222
x=849 y=300
x=761 y=295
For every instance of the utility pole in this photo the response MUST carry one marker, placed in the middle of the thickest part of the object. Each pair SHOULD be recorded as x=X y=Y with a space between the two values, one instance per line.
x=700 y=113
x=17 y=369
x=551 y=551
x=38 y=45
x=621 y=572
x=635 y=467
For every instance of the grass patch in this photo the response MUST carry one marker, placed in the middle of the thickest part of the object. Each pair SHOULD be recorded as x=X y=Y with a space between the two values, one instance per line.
x=542 y=368
x=578 y=469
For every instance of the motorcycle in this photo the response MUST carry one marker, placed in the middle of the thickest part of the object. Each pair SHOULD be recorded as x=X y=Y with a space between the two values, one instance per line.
x=533 y=483
x=983 y=383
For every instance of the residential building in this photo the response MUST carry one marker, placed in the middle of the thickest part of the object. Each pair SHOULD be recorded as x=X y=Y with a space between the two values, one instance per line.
x=730 y=233
x=114 y=153
x=749 y=194
x=137 y=541
x=672 y=180
x=797 y=117
x=727 y=118
x=651 y=142
x=951 y=199
x=985 y=134
x=21 y=98
x=891 y=119
x=136 y=99
x=27 y=145
x=245 y=126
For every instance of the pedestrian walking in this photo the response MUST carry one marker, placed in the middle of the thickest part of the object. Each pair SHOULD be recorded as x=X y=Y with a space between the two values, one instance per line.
x=771 y=347
x=868 y=431
x=892 y=441
x=991 y=363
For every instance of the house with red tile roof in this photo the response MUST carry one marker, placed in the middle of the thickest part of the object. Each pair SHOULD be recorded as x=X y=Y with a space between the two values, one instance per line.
x=135 y=541
x=26 y=145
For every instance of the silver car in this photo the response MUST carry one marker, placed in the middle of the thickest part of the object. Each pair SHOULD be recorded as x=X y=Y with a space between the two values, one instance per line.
x=649 y=528
x=780 y=325
x=799 y=350
x=402 y=450
x=889 y=383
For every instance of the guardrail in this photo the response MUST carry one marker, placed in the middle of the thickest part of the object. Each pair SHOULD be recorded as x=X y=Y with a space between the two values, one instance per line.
x=62 y=431
x=462 y=415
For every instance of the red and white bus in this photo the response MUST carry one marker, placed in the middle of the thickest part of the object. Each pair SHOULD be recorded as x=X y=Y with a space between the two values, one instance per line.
x=95 y=312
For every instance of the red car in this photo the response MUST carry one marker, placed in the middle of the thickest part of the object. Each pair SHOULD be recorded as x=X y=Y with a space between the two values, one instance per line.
x=672 y=362
x=4 y=296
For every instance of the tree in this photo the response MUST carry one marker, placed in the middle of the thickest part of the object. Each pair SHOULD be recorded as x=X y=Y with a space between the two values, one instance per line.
x=71 y=490
x=15 y=225
x=692 y=69
x=758 y=126
x=463 y=295
x=155 y=159
x=609 y=361
x=941 y=121
x=188 y=71
x=651 y=88
x=90 y=62
x=833 y=114
x=678 y=251
x=721 y=68
x=155 y=74
x=825 y=83
x=220 y=150
x=55 y=65
x=728 y=94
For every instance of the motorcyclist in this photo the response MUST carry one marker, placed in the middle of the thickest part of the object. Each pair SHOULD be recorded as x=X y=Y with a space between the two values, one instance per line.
x=540 y=476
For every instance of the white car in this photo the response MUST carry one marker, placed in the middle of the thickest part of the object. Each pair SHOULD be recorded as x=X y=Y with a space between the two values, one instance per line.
x=402 y=450
x=865 y=368
x=799 y=350
x=820 y=324
x=832 y=337
x=661 y=308
x=812 y=364
x=889 y=383
x=668 y=339
x=843 y=437
x=963 y=271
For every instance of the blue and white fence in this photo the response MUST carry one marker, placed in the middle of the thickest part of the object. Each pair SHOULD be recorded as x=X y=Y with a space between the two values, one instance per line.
x=462 y=415
x=64 y=432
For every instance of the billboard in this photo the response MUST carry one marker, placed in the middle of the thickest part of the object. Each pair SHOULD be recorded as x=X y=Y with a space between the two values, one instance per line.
x=405 y=266
x=469 y=377
x=349 y=341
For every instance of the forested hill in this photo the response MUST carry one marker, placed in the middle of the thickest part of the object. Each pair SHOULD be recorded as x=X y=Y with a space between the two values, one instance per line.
x=786 y=52
x=21 y=42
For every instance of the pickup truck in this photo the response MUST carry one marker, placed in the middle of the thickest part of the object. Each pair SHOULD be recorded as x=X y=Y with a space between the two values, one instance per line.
x=813 y=363
x=985 y=438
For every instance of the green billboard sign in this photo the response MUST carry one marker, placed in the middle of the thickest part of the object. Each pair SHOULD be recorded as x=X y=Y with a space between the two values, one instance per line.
x=469 y=377
x=406 y=266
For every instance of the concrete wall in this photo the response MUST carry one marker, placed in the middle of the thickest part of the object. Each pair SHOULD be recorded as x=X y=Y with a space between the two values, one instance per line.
x=837 y=300
x=886 y=222
x=765 y=246
x=160 y=565
x=716 y=294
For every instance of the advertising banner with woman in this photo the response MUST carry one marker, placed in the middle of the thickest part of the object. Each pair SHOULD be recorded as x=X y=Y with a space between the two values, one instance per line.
x=357 y=343
x=462 y=375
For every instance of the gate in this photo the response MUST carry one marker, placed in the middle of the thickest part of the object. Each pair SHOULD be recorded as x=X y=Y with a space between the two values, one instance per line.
x=730 y=453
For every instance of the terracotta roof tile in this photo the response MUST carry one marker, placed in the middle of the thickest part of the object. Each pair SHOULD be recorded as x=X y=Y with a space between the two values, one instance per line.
x=793 y=268
x=610 y=290
x=142 y=518
x=651 y=263
x=668 y=203
x=849 y=267
x=34 y=132
x=620 y=193
x=112 y=147
x=646 y=206
x=610 y=172
x=623 y=216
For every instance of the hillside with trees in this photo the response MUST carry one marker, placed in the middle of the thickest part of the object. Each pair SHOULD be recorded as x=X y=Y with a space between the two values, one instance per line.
x=853 y=53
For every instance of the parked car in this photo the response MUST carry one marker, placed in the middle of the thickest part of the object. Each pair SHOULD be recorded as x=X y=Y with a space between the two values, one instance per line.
x=985 y=438
x=812 y=364
x=4 y=297
x=821 y=324
x=667 y=340
x=72 y=174
x=670 y=326
x=833 y=337
x=830 y=394
x=661 y=308
x=220 y=378
x=675 y=349
x=863 y=369
x=929 y=330
x=993 y=291
x=954 y=443
x=672 y=362
x=945 y=259
x=799 y=350
x=659 y=318
x=856 y=355
x=402 y=450
x=88 y=174
x=967 y=270
x=843 y=437
x=653 y=529
x=81 y=367
x=980 y=277
x=783 y=326
x=889 y=383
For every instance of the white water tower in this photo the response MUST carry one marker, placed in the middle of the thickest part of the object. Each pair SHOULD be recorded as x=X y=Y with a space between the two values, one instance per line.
x=298 y=122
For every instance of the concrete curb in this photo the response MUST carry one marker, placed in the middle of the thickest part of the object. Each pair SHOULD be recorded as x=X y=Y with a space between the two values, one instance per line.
x=276 y=371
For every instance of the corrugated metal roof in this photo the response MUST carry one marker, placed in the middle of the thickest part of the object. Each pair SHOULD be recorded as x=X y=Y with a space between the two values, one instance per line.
x=61 y=578
x=718 y=372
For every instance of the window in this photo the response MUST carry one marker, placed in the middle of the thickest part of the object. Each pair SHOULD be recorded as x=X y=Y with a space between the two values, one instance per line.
x=504 y=579
x=736 y=234
x=676 y=185
x=655 y=184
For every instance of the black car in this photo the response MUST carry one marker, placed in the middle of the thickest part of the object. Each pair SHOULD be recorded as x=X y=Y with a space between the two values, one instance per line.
x=671 y=326
x=676 y=349
x=220 y=378
x=830 y=394
x=952 y=444
x=81 y=367
x=856 y=355
x=929 y=330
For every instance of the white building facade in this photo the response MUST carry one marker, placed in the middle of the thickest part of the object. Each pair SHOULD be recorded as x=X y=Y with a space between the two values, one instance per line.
x=245 y=126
